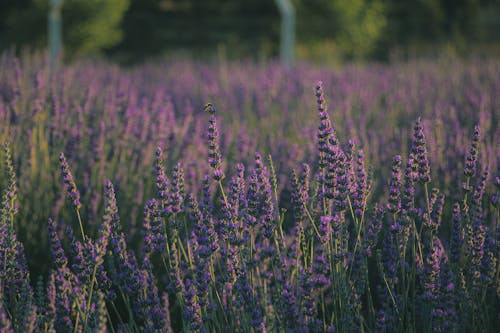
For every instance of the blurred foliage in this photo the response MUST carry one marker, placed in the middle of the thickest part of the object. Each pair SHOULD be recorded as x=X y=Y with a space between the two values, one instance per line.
x=353 y=27
x=88 y=25
x=244 y=28
x=130 y=30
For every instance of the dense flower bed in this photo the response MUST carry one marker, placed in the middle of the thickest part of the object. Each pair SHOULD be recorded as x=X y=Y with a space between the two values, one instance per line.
x=393 y=230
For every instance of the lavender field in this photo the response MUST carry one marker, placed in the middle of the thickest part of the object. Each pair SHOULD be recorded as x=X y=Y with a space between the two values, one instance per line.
x=236 y=197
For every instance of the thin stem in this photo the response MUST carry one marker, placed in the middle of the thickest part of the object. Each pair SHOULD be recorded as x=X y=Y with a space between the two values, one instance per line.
x=223 y=193
x=80 y=222
x=87 y=310
x=110 y=322
x=75 y=329
x=312 y=221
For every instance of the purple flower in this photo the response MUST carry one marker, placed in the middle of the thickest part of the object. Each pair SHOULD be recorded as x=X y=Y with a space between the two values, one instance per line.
x=56 y=249
x=204 y=245
x=161 y=177
x=297 y=198
x=259 y=198
x=10 y=193
x=326 y=133
x=207 y=194
x=101 y=315
x=5 y=323
x=248 y=300
x=325 y=229
x=69 y=182
x=192 y=310
x=236 y=197
x=477 y=198
x=166 y=310
x=408 y=196
x=154 y=231
x=419 y=151
x=214 y=154
x=147 y=303
x=350 y=151
x=359 y=196
x=309 y=300
x=472 y=155
x=67 y=293
x=176 y=197
x=373 y=228
x=303 y=178
x=434 y=265
x=395 y=186
x=477 y=252
x=341 y=190
x=436 y=203
x=320 y=274
x=327 y=140
x=456 y=235
x=111 y=217
x=389 y=257
x=50 y=308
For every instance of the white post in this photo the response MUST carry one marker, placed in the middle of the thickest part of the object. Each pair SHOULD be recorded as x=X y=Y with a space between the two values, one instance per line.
x=55 y=32
x=287 y=38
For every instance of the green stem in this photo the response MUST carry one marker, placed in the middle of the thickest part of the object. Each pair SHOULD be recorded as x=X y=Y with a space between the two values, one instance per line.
x=87 y=310
x=76 y=322
x=312 y=221
x=80 y=222
x=110 y=322
x=223 y=193
x=417 y=238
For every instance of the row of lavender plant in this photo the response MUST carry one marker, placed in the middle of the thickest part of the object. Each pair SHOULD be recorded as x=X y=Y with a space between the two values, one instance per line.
x=230 y=260
x=110 y=120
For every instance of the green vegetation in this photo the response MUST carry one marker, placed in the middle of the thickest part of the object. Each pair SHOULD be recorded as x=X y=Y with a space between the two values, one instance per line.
x=89 y=25
x=327 y=30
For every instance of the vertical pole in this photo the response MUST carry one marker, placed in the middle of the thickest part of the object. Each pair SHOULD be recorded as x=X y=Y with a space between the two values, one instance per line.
x=287 y=38
x=55 y=33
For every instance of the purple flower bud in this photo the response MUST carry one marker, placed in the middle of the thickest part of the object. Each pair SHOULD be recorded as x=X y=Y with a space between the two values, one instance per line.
x=419 y=151
x=433 y=267
x=456 y=236
x=214 y=154
x=69 y=182
x=436 y=202
x=161 y=177
x=359 y=196
x=192 y=310
x=472 y=155
x=395 y=186
x=408 y=197
x=55 y=246
x=154 y=231
x=325 y=229
x=341 y=188
x=176 y=197
x=298 y=200
x=326 y=133
x=5 y=323
x=303 y=179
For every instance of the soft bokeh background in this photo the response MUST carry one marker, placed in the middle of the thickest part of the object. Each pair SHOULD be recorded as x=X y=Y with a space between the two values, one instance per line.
x=327 y=31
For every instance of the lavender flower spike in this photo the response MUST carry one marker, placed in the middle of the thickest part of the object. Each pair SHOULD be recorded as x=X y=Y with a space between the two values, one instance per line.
x=471 y=159
x=419 y=150
x=69 y=182
x=395 y=186
x=214 y=155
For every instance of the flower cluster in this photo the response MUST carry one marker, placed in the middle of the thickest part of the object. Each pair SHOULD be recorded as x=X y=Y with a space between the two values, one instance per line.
x=333 y=247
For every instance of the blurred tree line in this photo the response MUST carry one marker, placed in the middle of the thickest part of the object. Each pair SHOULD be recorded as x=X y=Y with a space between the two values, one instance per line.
x=130 y=30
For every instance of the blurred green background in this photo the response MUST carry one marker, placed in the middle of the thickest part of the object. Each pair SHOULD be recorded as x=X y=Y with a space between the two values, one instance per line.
x=129 y=31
